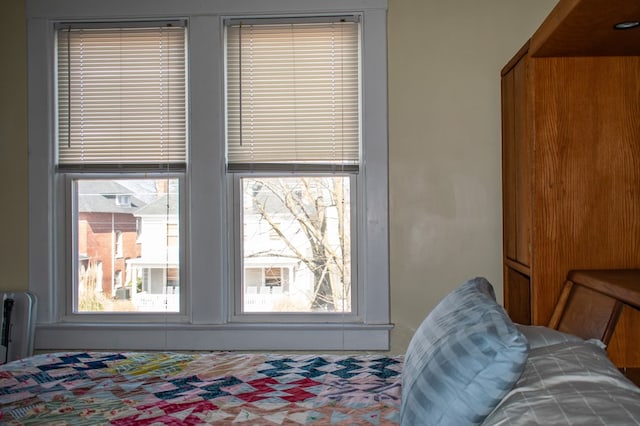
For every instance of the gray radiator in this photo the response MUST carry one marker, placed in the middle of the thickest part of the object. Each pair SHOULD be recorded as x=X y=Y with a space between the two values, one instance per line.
x=18 y=310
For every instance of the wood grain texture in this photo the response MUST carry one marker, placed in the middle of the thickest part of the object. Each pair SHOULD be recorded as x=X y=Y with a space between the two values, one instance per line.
x=516 y=178
x=585 y=28
x=558 y=311
x=590 y=314
x=586 y=170
x=623 y=284
x=517 y=296
x=524 y=270
x=523 y=136
x=624 y=287
x=603 y=304
x=508 y=173
x=624 y=347
x=577 y=105
x=516 y=160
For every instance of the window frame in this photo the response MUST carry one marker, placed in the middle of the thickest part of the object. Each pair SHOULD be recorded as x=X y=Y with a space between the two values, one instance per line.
x=118 y=245
x=206 y=323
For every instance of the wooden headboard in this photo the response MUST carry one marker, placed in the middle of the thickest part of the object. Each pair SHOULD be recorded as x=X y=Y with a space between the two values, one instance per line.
x=592 y=300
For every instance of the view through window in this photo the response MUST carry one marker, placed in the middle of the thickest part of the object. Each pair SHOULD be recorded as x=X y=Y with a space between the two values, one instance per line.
x=127 y=253
x=297 y=244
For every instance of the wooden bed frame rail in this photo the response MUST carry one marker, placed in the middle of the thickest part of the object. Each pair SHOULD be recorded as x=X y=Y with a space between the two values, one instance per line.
x=592 y=300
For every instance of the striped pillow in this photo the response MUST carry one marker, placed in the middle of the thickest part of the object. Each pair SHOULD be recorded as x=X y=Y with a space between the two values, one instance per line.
x=465 y=356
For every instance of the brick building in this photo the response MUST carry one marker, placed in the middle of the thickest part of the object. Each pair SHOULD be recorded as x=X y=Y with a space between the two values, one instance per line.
x=107 y=232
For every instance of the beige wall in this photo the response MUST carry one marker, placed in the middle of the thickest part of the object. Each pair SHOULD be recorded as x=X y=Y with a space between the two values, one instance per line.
x=444 y=146
x=13 y=147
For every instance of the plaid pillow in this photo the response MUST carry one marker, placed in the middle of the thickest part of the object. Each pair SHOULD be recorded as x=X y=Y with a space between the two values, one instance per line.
x=465 y=356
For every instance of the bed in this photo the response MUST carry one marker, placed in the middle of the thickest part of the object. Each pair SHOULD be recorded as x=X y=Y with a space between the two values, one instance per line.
x=204 y=388
x=466 y=364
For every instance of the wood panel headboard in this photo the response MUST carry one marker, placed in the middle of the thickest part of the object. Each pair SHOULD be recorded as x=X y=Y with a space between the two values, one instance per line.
x=592 y=300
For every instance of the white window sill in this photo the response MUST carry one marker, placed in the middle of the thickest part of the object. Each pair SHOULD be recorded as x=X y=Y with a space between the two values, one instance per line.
x=264 y=337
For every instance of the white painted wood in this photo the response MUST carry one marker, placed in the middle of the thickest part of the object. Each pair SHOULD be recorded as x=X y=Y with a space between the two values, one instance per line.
x=211 y=337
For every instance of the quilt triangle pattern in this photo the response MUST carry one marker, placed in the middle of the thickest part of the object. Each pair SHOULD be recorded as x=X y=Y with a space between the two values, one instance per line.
x=193 y=389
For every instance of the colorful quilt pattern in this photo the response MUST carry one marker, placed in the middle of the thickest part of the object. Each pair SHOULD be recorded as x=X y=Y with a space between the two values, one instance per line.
x=199 y=389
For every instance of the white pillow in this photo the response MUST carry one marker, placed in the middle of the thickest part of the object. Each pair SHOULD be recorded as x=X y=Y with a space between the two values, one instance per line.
x=539 y=336
x=569 y=383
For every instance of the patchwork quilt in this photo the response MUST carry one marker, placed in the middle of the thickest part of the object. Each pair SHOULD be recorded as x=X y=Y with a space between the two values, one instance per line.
x=163 y=388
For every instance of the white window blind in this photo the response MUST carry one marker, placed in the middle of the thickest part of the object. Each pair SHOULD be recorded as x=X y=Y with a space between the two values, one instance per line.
x=121 y=95
x=293 y=94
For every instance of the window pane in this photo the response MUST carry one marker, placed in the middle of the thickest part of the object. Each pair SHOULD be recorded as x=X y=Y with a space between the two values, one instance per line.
x=296 y=244
x=127 y=245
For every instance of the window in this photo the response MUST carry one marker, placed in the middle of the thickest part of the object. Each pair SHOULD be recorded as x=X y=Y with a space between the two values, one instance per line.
x=273 y=277
x=293 y=109
x=138 y=229
x=123 y=200
x=233 y=234
x=121 y=103
x=118 y=244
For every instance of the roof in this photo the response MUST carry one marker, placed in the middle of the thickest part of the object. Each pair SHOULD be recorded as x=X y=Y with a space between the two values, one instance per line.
x=99 y=196
x=159 y=206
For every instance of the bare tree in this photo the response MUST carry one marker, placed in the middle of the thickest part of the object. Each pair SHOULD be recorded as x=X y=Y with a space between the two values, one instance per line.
x=319 y=209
